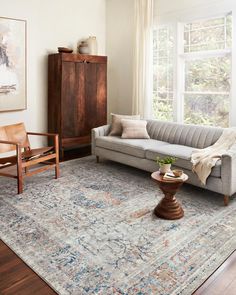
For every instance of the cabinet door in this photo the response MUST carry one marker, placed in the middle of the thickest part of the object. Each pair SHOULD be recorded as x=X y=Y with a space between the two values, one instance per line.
x=96 y=95
x=101 y=106
x=90 y=95
x=83 y=98
x=73 y=103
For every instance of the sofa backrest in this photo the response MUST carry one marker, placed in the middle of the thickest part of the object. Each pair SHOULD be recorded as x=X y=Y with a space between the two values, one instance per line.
x=183 y=134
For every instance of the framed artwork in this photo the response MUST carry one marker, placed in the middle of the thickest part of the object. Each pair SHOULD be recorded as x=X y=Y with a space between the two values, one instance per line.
x=12 y=64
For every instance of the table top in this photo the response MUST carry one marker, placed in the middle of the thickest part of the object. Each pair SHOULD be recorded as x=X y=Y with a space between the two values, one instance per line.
x=159 y=177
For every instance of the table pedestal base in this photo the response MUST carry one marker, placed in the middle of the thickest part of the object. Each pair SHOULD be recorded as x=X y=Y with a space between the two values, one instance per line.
x=169 y=208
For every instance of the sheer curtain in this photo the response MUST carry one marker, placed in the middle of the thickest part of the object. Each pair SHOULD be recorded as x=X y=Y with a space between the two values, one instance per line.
x=143 y=59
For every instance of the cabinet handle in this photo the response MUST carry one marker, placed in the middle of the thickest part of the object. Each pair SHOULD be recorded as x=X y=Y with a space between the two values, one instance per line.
x=86 y=62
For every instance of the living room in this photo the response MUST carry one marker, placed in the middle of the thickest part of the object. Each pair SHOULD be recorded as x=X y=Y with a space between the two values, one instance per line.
x=148 y=83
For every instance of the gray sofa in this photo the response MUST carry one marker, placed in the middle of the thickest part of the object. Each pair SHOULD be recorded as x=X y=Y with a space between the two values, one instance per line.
x=172 y=139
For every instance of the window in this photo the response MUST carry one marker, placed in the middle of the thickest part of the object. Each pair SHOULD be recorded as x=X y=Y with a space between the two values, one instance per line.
x=209 y=34
x=207 y=63
x=204 y=67
x=163 y=58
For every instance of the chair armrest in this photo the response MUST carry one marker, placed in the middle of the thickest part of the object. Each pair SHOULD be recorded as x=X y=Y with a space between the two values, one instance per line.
x=54 y=135
x=43 y=134
x=17 y=147
x=228 y=172
x=99 y=131
x=9 y=142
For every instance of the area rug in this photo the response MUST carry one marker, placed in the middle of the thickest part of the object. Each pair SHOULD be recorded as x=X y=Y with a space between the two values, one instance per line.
x=93 y=231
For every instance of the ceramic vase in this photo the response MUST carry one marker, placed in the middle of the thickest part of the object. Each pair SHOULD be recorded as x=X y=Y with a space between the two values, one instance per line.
x=92 y=44
x=83 y=48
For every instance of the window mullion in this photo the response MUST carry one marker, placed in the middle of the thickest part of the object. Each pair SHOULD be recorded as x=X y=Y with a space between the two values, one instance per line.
x=225 y=33
x=179 y=75
x=232 y=117
x=205 y=54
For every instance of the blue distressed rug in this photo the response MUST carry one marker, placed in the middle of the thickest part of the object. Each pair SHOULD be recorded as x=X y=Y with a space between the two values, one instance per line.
x=93 y=231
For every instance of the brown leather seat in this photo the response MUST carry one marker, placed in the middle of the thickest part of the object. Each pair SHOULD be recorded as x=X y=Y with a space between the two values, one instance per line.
x=15 y=138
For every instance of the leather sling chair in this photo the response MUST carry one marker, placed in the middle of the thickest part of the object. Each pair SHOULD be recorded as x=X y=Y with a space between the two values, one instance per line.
x=15 y=138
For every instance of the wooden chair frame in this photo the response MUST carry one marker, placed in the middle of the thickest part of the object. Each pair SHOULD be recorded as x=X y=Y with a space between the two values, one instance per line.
x=23 y=166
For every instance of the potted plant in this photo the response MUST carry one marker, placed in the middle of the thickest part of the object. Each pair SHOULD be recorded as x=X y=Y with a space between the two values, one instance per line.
x=165 y=163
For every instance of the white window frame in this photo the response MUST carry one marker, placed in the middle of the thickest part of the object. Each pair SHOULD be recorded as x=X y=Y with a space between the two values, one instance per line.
x=199 y=55
x=232 y=117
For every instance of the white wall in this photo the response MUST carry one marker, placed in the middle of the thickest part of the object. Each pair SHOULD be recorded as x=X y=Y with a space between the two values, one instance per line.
x=119 y=46
x=168 y=6
x=50 y=23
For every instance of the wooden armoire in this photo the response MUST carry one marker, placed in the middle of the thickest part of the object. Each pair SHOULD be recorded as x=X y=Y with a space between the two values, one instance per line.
x=77 y=97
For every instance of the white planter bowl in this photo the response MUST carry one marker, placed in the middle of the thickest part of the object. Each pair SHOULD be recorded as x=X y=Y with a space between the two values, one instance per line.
x=164 y=168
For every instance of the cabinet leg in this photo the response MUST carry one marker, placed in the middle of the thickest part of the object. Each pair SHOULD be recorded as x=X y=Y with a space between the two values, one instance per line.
x=97 y=159
x=226 y=200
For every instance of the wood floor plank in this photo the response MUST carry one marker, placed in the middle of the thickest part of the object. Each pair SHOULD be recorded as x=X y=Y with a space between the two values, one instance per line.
x=16 y=278
x=221 y=279
x=231 y=289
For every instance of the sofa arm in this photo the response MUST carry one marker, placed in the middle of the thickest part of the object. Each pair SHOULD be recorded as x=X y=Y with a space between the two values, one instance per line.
x=99 y=131
x=228 y=172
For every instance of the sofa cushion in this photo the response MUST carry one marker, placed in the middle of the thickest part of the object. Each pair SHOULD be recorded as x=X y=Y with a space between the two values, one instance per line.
x=116 y=127
x=134 y=129
x=133 y=147
x=183 y=155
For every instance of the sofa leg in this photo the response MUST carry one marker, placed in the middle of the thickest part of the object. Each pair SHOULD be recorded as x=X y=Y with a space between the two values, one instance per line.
x=226 y=200
x=97 y=159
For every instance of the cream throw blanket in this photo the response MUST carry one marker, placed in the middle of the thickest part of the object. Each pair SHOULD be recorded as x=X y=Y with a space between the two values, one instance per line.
x=204 y=159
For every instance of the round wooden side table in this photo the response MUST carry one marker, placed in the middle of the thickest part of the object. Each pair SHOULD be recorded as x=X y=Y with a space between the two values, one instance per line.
x=169 y=208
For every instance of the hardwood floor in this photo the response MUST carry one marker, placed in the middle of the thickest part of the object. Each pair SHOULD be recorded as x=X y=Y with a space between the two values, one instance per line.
x=222 y=281
x=16 y=278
